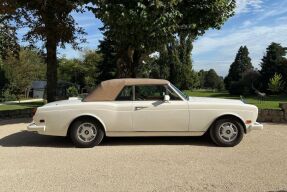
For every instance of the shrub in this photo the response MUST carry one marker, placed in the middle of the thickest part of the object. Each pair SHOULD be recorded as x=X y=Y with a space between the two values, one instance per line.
x=236 y=88
x=276 y=84
x=7 y=95
x=72 y=91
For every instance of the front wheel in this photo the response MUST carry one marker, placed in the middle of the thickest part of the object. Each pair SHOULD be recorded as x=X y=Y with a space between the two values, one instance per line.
x=86 y=133
x=226 y=132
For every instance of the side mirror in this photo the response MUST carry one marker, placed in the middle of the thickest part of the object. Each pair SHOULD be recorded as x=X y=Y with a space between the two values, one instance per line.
x=166 y=98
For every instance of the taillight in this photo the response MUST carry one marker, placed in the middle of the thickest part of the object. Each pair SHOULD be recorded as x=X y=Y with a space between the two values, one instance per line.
x=34 y=110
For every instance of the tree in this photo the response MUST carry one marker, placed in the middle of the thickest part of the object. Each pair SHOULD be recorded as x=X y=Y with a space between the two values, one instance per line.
x=92 y=60
x=71 y=70
x=241 y=64
x=20 y=72
x=3 y=79
x=276 y=84
x=140 y=28
x=51 y=22
x=8 y=39
x=212 y=80
x=107 y=68
x=83 y=72
x=197 y=17
x=137 y=28
x=274 y=61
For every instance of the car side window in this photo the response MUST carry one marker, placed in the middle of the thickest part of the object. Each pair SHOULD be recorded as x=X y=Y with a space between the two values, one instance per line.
x=149 y=92
x=126 y=94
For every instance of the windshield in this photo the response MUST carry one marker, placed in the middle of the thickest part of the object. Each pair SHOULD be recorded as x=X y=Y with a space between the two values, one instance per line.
x=180 y=92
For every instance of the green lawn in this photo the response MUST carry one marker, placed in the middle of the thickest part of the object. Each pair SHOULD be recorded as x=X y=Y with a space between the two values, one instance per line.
x=15 y=106
x=271 y=101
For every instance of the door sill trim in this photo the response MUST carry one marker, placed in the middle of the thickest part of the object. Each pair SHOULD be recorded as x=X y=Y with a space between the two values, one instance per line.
x=153 y=133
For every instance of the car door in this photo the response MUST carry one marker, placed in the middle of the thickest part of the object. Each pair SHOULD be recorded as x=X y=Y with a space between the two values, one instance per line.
x=152 y=113
x=119 y=116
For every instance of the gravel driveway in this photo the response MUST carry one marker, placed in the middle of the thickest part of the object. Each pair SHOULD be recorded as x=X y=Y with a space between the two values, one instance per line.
x=31 y=162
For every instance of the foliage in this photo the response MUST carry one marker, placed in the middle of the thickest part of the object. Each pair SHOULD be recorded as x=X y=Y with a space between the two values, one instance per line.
x=139 y=28
x=91 y=63
x=49 y=21
x=274 y=61
x=155 y=66
x=8 y=39
x=241 y=65
x=7 y=95
x=276 y=84
x=3 y=79
x=136 y=28
x=245 y=86
x=20 y=72
x=167 y=64
x=209 y=80
x=107 y=67
x=83 y=72
x=72 y=91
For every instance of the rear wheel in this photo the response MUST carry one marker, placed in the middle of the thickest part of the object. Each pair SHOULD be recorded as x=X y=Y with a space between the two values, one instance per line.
x=86 y=132
x=227 y=132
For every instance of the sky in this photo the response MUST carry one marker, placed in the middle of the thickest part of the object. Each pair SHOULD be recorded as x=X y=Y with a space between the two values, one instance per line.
x=255 y=24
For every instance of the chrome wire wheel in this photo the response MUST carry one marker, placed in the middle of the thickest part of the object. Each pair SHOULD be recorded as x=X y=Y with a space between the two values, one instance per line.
x=87 y=132
x=228 y=132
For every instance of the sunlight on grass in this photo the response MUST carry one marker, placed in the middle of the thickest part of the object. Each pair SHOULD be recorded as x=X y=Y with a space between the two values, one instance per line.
x=15 y=106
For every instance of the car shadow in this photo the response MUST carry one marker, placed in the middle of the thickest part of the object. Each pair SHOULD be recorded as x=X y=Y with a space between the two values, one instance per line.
x=15 y=121
x=30 y=139
x=196 y=141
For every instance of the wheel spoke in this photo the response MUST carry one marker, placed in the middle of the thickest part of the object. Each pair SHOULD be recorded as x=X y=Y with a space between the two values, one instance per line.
x=228 y=131
x=87 y=132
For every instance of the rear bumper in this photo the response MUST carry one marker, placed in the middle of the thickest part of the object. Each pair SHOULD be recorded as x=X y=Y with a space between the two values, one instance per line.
x=36 y=128
x=254 y=126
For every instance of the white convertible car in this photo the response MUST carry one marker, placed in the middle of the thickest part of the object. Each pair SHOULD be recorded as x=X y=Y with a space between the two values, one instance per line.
x=144 y=107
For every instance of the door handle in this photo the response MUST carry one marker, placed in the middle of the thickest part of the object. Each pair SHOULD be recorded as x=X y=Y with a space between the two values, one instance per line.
x=140 y=107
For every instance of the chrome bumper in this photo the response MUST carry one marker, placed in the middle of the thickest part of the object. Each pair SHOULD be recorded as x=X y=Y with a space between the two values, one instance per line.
x=38 y=128
x=254 y=126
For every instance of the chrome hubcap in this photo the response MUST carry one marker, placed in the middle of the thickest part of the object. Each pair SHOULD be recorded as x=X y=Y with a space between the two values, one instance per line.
x=87 y=132
x=228 y=132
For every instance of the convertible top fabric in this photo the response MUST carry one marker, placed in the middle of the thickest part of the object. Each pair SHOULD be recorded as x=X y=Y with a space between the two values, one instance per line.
x=109 y=90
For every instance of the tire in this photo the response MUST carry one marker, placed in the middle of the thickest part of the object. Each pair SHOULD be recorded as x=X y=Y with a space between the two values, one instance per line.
x=86 y=133
x=227 y=132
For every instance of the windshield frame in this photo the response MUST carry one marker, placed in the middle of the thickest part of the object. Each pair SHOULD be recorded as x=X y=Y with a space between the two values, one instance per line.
x=179 y=92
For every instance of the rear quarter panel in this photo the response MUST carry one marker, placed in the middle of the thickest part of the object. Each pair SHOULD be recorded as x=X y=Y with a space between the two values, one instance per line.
x=113 y=115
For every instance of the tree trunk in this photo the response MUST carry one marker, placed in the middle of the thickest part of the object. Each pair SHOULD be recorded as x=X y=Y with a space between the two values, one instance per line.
x=125 y=62
x=171 y=64
x=51 y=47
x=136 y=64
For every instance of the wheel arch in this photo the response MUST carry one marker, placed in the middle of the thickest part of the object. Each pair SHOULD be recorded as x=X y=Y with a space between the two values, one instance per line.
x=86 y=116
x=232 y=116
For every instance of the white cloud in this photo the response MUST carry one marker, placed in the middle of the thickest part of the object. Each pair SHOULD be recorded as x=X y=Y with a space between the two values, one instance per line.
x=245 y=6
x=222 y=48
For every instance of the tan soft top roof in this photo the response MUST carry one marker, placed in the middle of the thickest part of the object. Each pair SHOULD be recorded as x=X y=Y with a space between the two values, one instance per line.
x=109 y=90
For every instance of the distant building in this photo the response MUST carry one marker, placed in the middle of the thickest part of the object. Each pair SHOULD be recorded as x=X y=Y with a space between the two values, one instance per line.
x=38 y=89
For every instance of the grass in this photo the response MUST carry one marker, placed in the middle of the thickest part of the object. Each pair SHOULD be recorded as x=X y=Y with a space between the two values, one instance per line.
x=271 y=101
x=16 y=106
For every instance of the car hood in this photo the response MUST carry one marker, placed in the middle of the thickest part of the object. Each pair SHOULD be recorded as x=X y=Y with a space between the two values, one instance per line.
x=214 y=100
x=64 y=102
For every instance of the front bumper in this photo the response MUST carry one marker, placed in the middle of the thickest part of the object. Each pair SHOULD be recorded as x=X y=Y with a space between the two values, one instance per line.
x=36 y=128
x=254 y=126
